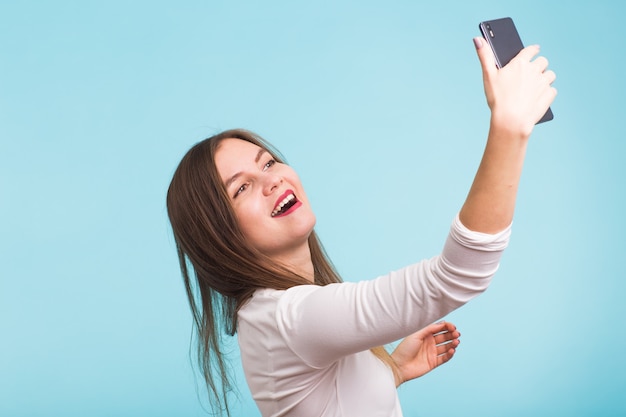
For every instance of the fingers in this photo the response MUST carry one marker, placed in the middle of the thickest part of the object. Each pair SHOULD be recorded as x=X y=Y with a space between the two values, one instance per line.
x=446 y=338
x=549 y=93
x=445 y=351
x=548 y=96
x=488 y=61
x=519 y=93
x=446 y=356
x=486 y=57
x=436 y=328
x=446 y=341
x=528 y=53
x=442 y=327
x=550 y=76
x=541 y=63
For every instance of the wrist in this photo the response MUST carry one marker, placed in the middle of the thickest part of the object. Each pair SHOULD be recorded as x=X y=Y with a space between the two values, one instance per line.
x=509 y=126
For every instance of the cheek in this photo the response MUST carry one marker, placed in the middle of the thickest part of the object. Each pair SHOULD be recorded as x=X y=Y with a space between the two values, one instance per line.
x=249 y=216
x=292 y=178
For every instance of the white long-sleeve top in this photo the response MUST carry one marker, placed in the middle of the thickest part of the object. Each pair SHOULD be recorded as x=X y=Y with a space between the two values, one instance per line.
x=305 y=350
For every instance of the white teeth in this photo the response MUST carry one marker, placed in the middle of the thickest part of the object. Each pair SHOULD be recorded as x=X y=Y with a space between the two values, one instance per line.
x=280 y=205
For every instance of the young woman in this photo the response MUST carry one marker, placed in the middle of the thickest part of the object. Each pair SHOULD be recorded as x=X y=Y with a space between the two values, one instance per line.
x=310 y=344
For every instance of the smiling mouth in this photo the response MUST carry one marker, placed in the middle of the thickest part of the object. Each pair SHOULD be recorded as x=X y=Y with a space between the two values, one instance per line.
x=285 y=204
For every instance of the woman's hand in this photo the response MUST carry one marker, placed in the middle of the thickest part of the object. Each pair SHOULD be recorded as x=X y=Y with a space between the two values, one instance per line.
x=520 y=93
x=425 y=350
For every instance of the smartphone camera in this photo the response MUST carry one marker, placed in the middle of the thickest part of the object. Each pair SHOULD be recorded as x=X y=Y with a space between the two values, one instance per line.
x=488 y=26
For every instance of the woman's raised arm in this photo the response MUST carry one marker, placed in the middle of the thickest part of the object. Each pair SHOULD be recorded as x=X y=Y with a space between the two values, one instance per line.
x=518 y=95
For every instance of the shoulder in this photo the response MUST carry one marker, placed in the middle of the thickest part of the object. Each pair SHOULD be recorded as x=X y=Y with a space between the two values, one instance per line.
x=268 y=295
x=266 y=321
x=271 y=300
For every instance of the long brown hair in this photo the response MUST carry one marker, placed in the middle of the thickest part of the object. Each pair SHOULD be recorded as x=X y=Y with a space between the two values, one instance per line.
x=227 y=269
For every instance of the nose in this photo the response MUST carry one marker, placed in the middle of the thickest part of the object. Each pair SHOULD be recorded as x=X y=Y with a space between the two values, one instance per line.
x=271 y=182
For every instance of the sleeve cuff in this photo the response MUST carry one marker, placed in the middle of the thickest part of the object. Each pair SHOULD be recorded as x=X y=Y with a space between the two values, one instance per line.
x=477 y=240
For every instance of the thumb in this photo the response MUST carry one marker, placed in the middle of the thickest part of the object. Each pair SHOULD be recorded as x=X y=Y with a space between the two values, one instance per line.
x=486 y=57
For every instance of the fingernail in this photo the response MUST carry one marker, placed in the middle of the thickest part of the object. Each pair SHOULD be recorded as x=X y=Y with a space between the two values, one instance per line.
x=478 y=42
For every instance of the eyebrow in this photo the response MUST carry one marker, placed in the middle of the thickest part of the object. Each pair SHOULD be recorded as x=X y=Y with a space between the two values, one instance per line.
x=257 y=158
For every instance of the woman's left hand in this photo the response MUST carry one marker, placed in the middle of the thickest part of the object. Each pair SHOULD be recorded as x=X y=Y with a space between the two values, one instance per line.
x=425 y=350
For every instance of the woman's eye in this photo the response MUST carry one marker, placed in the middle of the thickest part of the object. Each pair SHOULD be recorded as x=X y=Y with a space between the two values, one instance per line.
x=269 y=164
x=241 y=189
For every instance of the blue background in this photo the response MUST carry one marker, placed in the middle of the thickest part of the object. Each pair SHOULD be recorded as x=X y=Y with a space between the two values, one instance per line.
x=379 y=107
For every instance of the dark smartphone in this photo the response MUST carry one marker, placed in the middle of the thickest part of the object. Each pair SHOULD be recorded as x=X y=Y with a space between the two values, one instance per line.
x=505 y=42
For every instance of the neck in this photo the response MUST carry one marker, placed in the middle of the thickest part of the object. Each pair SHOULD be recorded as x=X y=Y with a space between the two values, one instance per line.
x=299 y=262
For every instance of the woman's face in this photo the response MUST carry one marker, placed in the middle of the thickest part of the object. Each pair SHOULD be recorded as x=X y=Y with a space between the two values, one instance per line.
x=268 y=199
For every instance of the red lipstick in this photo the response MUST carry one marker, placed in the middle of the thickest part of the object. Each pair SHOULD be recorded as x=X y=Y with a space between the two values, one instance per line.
x=286 y=204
